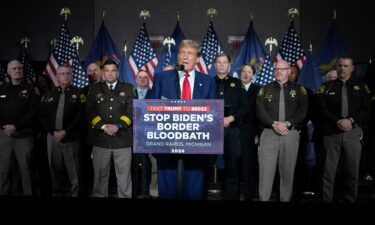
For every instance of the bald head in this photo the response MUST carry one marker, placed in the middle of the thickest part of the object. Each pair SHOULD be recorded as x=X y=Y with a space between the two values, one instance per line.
x=94 y=73
x=282 y=71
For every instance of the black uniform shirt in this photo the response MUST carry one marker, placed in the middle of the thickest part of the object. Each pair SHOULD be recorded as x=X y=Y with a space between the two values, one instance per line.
x=235 y=99
x=72 y=114
x=18 y=106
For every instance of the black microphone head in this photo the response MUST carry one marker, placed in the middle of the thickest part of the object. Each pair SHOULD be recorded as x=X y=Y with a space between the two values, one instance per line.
x=179 y=67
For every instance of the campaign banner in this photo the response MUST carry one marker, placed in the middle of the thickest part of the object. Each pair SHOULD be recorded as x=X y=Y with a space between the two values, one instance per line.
x=178 y=126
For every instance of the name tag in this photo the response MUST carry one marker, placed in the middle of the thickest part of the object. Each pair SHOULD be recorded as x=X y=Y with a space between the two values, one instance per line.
x=3 y=96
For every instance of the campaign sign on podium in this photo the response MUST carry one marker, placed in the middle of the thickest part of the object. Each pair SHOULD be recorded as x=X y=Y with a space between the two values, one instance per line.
x=178 y=126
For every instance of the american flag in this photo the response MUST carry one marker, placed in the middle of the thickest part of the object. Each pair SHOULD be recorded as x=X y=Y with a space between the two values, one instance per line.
x=28 y=70
x=291 y=49
x=266 y=75
x=210 y=47
x=3 y=75
x=143 y=55
x=65 y=52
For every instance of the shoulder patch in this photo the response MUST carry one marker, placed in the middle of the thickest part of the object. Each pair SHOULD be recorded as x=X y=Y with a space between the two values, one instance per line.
x=321 y=89
x=261 y=92
x=367 y=89
x=36 y=91
x=303 y=90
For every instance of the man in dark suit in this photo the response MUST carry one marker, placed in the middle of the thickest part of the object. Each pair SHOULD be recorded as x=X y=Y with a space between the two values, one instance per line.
x=172 y=85
x=249 y=131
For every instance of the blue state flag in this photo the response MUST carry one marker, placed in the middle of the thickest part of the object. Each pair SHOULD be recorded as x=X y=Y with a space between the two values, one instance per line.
x=103 y=48
x=125 y=73
x=170 y=51
x=251 y=52
x=310 y=76
x=331 y=50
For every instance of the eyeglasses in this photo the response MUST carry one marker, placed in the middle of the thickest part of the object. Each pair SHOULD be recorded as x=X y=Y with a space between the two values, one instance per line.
x=282 y=69
x=65 y=74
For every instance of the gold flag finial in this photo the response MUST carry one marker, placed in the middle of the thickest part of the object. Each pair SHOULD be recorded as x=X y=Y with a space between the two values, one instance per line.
x=66 y=12
x=251 y=16
x=25 y=41
x=103 y=14
x=169 y=41
x=311 y=47
x=212 y=13
x=271 y=42
x=77 y=40
x=53 y=42
x=292 y=12
x=145 y=14
x=178 y=15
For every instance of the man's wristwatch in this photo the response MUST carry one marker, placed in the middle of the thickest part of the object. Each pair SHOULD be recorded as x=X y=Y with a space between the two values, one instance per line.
x=287 y=124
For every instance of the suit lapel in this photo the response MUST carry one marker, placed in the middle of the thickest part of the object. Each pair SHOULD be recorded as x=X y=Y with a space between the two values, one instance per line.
x=177 y=84
x=197 y=92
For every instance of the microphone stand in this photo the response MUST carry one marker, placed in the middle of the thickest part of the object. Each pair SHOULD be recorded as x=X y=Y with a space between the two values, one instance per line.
x=180 y=160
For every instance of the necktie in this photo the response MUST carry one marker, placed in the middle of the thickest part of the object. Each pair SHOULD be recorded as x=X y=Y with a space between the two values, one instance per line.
x=344 y=99
x=141 y=94
x=186 y=90
x=282 y=105
x=111 y=87
x=60 y=112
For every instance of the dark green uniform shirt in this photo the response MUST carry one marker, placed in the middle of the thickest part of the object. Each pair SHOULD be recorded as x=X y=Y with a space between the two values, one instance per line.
x=329 y=101
x=296 y=104
x=72 y=114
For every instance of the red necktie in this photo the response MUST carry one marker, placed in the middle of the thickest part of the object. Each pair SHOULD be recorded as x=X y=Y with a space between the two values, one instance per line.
x=186 y=90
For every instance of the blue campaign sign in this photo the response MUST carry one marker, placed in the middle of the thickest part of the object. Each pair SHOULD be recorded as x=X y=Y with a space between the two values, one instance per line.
x=178 y=126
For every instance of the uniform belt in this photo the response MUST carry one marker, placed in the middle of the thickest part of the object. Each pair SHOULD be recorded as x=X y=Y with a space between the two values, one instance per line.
x=292 y=128
x=355 y=125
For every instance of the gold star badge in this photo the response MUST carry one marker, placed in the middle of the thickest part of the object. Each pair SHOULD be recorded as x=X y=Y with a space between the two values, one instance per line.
x=82 y=97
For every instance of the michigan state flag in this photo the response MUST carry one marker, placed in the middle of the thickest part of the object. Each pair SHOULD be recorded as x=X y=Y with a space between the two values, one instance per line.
x=251 y=52
x=103 y=48
x=331 y=50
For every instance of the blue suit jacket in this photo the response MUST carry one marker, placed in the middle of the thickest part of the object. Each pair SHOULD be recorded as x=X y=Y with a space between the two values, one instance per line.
x=166 y=86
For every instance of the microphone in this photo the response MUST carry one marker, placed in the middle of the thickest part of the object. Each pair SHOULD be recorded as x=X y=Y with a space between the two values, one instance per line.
x=179 y=67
